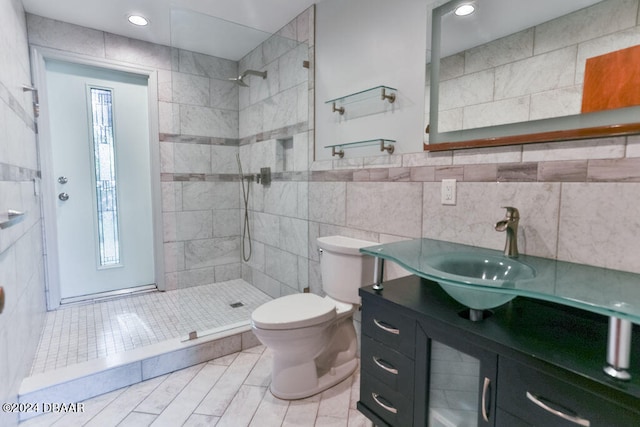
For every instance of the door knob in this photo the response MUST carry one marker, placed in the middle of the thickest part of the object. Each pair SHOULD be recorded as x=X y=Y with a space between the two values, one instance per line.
x=63 y=196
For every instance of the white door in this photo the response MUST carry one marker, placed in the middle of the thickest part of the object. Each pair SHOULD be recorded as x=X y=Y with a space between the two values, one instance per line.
x=101 y=167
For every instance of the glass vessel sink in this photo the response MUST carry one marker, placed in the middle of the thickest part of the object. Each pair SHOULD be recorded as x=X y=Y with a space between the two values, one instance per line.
x=491 y=272
x=575 y=285
x=482 y=278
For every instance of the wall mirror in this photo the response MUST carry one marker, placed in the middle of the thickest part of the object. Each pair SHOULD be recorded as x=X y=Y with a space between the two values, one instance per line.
x=514 y=73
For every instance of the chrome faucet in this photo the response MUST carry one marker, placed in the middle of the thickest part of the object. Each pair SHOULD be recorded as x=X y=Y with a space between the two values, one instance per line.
x=510 y=225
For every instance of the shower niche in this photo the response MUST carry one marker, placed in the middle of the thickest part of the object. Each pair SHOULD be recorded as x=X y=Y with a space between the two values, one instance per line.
x=284 y=155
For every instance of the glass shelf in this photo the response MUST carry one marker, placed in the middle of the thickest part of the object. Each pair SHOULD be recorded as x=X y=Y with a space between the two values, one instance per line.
x=381 y=92
x=599 y=290
x=384 y=144
x=377 y=91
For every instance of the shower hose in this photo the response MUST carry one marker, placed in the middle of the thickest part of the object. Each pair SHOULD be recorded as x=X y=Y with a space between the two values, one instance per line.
x=246 y=232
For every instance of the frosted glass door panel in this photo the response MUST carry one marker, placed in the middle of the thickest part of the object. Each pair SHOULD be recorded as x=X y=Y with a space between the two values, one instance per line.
x=453 y=388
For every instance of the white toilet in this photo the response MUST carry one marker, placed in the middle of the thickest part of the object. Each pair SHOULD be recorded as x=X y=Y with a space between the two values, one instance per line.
x=312 y=338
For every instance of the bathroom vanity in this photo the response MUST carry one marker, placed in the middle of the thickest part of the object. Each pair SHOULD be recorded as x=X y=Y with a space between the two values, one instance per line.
x=528 y=362
x=525 y=348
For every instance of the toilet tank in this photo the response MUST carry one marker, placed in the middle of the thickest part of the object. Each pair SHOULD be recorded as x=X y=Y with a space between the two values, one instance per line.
x=343 y=268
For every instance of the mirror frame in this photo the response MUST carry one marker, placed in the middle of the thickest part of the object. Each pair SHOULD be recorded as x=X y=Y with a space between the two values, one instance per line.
x=574 y=127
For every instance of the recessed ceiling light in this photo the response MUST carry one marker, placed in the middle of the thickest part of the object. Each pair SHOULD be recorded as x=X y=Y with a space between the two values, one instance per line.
x=465 y=9
x=138 y=20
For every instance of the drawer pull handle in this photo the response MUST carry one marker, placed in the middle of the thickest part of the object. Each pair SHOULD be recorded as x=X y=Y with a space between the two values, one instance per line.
x=378 y=399
x=386 y=328
x=485 y=388
x=573 y=418
x=385 y=365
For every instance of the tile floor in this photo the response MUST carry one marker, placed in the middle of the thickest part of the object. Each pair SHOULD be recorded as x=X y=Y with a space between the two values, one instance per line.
x=229 y=391
x=89 y=331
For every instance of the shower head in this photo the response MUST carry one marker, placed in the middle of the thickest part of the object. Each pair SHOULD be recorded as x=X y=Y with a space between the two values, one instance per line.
x=240 y=79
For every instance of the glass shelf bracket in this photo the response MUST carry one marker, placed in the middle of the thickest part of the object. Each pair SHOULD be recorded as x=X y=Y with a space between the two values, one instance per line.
x=335 y=109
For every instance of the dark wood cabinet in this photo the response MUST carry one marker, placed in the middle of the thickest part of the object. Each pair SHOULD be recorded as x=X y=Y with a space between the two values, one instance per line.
x=423 y=363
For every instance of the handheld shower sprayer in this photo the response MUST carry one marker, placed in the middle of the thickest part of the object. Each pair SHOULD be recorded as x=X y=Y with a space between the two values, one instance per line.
x=246 y=232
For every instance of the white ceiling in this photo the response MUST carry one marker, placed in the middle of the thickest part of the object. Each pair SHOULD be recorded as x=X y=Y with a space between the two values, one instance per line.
x=232 y=28
x=248 y=22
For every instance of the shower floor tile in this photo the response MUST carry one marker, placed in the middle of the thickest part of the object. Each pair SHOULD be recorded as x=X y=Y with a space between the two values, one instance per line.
x=89 y=331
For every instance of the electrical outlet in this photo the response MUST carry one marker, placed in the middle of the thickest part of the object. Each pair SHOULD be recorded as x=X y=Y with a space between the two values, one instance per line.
x=448 y=192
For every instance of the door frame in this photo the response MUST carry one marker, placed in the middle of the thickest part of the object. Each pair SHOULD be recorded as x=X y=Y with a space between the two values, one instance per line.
x=50 y=234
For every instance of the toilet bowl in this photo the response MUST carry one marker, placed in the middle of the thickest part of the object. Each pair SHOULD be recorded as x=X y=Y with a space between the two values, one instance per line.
x=312 y=338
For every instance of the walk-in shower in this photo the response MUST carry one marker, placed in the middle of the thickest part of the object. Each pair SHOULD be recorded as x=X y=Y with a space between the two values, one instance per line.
x=204 y=239
x=240 y=79
x=225 y=251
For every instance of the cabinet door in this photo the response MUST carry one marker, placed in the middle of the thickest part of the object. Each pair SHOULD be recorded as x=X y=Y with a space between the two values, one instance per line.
x=462 y=382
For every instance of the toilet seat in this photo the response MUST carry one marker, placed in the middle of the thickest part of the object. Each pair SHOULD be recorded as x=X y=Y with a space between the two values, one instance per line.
x=293 y=311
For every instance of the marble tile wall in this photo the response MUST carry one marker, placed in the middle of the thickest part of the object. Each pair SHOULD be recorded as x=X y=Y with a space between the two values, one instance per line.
x=199 y=171
x=198 y=124
x=547 y=63
x=276 y=131
x=21 y=252
x=578 y=200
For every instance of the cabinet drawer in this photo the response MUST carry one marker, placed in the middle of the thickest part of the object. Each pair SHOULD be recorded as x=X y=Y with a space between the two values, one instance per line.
x=390 y=405
x=389 y=327
x=390 y=367
x=542 y=400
